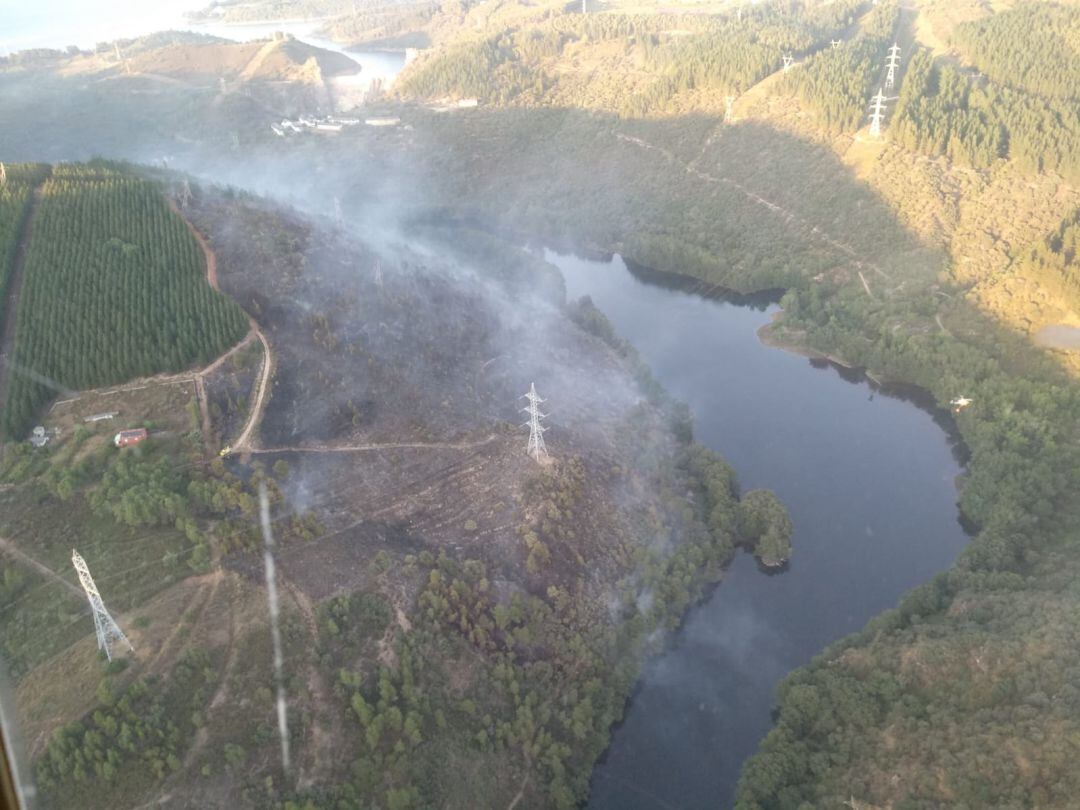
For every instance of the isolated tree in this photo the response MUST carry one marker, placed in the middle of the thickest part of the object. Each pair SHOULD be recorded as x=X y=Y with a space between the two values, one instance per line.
x=764 y=525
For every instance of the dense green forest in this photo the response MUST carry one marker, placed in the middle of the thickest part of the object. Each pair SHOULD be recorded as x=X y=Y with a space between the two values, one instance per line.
x=738 y=53
x=115 y=288
x=1034 y=47
x=943 y=111
x=837 y=83
x=716 y=53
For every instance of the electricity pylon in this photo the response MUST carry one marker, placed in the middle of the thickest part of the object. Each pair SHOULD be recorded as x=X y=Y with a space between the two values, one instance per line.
x=106 y=627
x=537 y=449
x=789 y=60
x=729 y=111
x=835 y=43
x=877 y=113
x=893 y=62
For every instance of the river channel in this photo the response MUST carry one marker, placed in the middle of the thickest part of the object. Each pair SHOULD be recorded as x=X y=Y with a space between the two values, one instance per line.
x=868 y=478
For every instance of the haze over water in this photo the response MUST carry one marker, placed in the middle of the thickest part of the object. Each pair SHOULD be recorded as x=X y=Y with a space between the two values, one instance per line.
x=868 y=480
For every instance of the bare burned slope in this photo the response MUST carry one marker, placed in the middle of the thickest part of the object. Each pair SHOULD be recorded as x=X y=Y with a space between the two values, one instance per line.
x=394 y=424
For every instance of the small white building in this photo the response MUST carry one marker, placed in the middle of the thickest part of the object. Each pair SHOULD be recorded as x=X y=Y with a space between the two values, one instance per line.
x=382 y=122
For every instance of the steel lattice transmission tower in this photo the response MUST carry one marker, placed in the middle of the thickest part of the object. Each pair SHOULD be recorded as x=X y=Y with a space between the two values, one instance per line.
x=537 y=449
x=108 y=631
x=892 y=64
x=877 y=113
x=789 y=60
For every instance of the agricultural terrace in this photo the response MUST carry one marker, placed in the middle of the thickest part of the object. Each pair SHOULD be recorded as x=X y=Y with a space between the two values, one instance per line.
x=114 y=288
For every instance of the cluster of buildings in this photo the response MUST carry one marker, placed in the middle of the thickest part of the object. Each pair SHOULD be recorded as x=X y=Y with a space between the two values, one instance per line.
x=460 y=104
x=329 y=123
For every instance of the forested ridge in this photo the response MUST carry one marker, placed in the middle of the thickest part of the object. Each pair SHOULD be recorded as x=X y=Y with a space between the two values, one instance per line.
x=837 y=83
x=725 y=54
x=942 y=111
x=1034 y=47
x=114 y=288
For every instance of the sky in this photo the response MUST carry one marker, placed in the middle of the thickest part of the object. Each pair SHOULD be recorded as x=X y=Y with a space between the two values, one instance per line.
x=59 y=23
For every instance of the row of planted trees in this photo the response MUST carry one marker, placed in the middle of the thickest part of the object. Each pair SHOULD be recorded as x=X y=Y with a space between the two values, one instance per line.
x=114 y=288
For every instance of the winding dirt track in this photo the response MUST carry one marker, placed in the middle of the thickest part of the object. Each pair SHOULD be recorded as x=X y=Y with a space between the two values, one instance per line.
x=257 y=407
x=360 y=448
x=267 y=370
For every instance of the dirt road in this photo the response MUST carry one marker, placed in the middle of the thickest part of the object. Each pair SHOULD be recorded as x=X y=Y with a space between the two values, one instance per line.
x=360 y=448
x=255 y=414
x=267 y=369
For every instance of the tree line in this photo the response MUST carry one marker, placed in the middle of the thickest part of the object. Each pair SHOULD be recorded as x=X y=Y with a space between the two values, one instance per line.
x=135 y=736
x=114 y=288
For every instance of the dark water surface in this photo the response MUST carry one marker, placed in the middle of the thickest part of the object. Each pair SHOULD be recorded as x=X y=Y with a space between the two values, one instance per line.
x=868 y=479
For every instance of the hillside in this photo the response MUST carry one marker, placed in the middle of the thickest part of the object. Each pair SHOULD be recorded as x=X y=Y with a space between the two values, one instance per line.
x=440 y=627
x=958 y=150
x=946 y=701
x=937 y=254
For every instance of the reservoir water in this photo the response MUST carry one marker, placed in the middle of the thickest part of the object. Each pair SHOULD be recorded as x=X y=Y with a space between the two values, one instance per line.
x=868 y=479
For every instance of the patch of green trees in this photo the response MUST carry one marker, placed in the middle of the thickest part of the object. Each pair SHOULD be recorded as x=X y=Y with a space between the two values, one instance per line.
x=136 y=736
x=718 y=53
x=837 y=83
x=1034 y=47
x=114 y=288
x=1054 y=261
x=764 y=524
x=942 y=111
